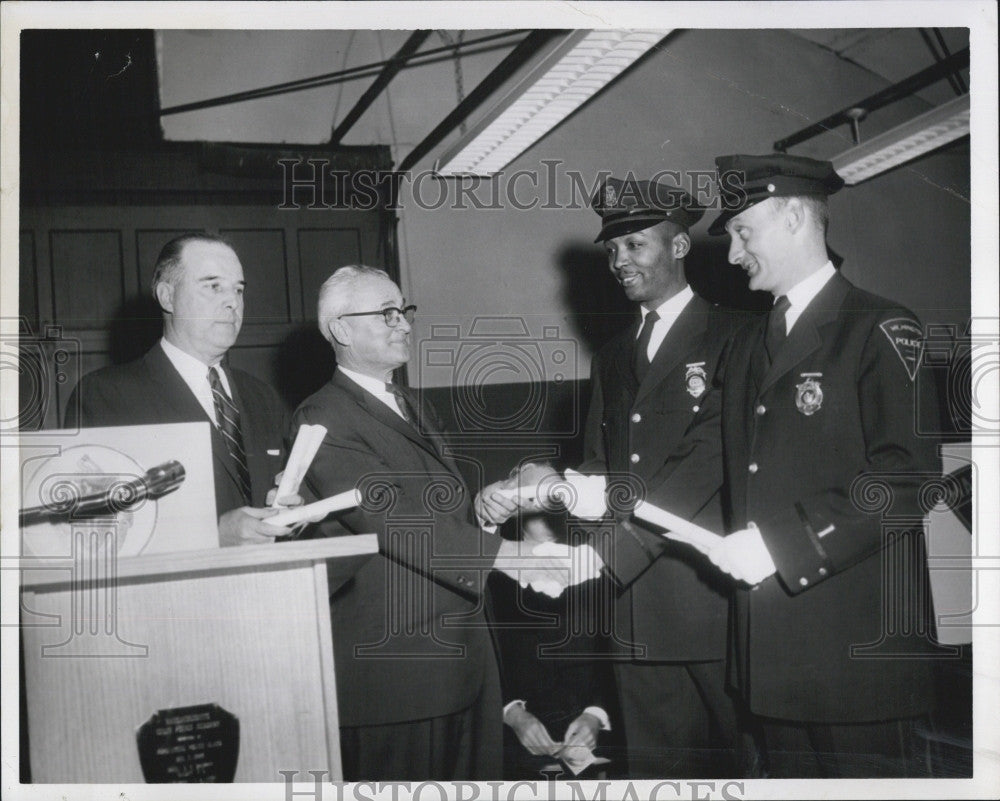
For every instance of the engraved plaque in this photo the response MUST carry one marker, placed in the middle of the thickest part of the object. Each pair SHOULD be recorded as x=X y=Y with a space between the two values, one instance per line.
x=189 y=744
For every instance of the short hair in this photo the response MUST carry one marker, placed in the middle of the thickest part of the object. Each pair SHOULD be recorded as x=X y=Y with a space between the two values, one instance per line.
x=816 y=205
x=168 y=263
x=337 y=293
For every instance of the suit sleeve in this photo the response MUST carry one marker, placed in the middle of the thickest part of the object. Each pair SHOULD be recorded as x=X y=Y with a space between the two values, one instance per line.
x=459 y=555
x=816 y=536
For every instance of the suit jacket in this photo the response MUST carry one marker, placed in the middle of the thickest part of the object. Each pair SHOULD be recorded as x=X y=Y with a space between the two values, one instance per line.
x=672 y=604
x=818 y=447
x=410 y=638
x=150 y=391
x=550 y=654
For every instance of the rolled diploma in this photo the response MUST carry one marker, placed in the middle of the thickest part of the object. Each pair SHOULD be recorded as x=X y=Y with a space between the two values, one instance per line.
x=307 y=442
x=677 y=527
x=289 y=517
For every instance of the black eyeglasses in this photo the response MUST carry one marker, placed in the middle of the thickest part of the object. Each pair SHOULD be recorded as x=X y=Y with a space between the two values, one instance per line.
x=390 y=314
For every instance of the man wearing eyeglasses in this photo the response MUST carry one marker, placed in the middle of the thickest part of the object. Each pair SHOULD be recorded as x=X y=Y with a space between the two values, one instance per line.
x=417 y=681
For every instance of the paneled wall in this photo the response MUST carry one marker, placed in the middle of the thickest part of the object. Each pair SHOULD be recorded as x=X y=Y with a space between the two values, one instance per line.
x=85 y=285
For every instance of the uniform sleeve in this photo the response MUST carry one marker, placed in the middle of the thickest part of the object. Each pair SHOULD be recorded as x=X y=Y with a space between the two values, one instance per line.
x=595 y=460
x=816 y=536
x=345 y=460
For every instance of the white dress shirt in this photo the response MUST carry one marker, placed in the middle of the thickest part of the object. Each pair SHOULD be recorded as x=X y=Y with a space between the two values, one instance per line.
x=195 y=374
x=800 y=295
x=373 y=386
x=669 y=311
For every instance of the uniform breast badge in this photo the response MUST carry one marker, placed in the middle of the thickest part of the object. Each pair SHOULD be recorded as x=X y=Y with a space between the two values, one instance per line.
x=695 y=379
x=809 y=394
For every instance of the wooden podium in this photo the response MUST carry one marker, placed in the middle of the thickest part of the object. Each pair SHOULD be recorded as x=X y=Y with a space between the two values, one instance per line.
x=110 y=642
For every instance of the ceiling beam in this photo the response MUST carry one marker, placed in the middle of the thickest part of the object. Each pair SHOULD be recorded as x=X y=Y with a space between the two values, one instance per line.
x=389 y=71
x=517 y=57
x=890 y=94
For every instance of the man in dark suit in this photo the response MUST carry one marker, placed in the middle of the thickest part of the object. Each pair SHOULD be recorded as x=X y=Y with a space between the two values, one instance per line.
x=198 y=282
x=418 y=691
x=817 y=409
x=671 y=612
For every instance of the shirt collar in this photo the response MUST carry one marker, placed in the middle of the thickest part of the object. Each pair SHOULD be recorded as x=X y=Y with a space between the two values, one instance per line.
x=805 y=290
x=366 y=382
x=672 y=306
x=190 y=367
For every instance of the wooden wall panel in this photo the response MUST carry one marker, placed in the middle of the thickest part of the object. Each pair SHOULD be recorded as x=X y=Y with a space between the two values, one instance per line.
x=263 y=255
x=321 y=251
x=148 y=243
x=87 y=276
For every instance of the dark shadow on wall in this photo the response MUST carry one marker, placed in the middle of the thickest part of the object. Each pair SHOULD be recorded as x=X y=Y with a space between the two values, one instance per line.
x=135 y=328
x=712 y=276
x=598 y=309
x=304 y=362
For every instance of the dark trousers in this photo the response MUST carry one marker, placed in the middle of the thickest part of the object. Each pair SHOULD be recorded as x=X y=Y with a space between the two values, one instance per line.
x=679 y=720
x=885 y=749
x=463 y=746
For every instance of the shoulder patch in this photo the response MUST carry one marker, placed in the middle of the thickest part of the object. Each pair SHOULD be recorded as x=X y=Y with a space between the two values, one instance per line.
x=907 y=339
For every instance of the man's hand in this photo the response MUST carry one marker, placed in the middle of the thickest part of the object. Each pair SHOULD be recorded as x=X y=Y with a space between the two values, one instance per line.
x=744 y=556
x=245 y=526
x=491 y=506
x=581 y=733
x=548 y=567
x=530 y=731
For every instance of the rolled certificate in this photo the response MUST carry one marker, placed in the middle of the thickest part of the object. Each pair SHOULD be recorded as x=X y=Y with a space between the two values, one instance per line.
x=677 y=527
x=307 y=442
x=316 y=511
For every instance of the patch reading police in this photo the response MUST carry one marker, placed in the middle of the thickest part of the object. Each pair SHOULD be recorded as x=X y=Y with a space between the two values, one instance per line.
x=695 y=379
x=907 y=340
x=809 y=394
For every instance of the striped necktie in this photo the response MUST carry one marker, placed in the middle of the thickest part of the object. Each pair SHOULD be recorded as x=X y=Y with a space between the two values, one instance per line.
x=403 y=403
x=228 y=417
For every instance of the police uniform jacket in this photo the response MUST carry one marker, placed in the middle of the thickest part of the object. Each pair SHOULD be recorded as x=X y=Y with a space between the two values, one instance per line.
x=819 y=448
x=672 y=605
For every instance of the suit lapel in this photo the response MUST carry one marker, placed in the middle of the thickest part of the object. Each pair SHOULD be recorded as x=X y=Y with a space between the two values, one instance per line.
x=804 y=337
x=374 y=407
x=688 y=326
x=177 y=397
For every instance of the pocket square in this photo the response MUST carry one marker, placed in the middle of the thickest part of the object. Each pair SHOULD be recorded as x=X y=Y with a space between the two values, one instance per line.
x=274 y=452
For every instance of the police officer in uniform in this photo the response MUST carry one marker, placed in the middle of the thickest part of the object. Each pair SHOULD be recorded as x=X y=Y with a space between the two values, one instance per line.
x=670 y=608
x=816 y=405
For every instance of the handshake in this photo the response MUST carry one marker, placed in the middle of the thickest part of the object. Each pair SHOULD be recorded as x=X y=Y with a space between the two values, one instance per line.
x=539 y=488
x=539 y=561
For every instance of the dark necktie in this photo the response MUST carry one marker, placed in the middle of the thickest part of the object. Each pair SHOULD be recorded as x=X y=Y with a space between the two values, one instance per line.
x=228 y=417
x=404 y=404
x=776 y=327
x=640 y=356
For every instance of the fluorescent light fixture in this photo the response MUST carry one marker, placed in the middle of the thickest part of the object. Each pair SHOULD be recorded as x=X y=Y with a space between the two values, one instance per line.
x=577 y=68
x=923 y=133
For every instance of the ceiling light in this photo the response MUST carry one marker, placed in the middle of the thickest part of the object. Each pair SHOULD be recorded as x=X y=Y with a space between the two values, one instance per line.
x=579 y=67
x=912 y=139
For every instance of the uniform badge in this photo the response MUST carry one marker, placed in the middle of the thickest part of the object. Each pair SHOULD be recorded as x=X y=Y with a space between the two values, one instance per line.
x=695 y=379
x=809 y=394
x=907 y=340
x=610 y=196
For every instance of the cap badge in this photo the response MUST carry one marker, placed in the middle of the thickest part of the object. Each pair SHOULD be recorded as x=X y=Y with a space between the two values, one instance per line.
x=610 y=195
x=809 y=394
x=695 y=379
